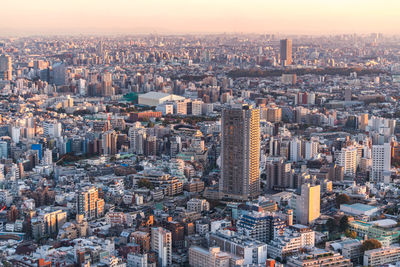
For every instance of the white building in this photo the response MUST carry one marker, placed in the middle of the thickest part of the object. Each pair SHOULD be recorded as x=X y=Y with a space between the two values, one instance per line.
x=161 y=243
x=198 y=205
x=212 y=257
x=295 y=150
x=52 y=129
x=136 y=260
x=48 y=157
x=381 y=256
x=381 y=157
x=291 y=241
x=347 y=158
x=311 y=149
x=155 y=98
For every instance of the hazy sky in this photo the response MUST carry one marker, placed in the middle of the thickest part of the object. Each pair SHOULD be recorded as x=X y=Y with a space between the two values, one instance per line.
x=199 y=16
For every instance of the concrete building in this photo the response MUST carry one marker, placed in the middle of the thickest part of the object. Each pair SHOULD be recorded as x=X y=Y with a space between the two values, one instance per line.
x=213 y=257
x=136 y=260
x=198 y=205
x=161 y=243
x=279 y=174
x=89 y=204
x=286 y=52
x=260 y=226
x=240 y=152
x=381 y=256
x=319 y=257
x=251 y=250
x=5 y=67
x=381 y=160
x=347 y=158
x=155 y=98
x=308 y=204
x=290 y=241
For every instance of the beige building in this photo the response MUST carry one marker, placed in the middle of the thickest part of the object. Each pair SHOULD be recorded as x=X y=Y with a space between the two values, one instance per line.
x=89 y=204
x=272 y=114
x=308 y=204
x=319 y=258
x=381 y=256
x=347 y=158
x=213 y=257
x=240 y=152
x=363 y=121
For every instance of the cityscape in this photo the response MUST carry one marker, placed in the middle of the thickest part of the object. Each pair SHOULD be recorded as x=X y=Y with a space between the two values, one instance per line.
x=200 y=148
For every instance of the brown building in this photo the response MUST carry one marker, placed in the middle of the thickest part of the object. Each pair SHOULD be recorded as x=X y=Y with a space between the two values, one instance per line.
x=240 y=152
x=143 y=240
x=286 y=52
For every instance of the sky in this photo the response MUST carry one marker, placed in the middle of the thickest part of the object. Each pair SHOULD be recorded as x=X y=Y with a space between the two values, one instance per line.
x=21 y=17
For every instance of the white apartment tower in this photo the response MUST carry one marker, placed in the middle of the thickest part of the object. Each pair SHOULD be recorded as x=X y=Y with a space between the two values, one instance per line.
x=161 y=242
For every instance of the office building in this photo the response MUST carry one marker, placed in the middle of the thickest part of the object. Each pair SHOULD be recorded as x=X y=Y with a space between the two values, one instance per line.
x=240 y=152
x=308 y=204
x=161 y=243
x=286 y=52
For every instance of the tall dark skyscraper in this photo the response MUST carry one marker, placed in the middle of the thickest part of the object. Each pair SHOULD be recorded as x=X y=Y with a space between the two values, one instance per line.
x=286 y=52
x=240 y=152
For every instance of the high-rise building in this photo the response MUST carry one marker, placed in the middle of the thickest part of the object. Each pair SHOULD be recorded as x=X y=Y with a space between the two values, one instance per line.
x=240 y=152
x=381 y=160
x=5 y=67
x=161 y=243
x=48 y=157
x=272 y=114
x=279 y=173
x=106 y=81
x=308 y=204
x=286 y=52
x=89 y=204
x=311 y=149
x=347 y=158
x=3 y=150
x=347 y=94
x=363 y=121
x=109 y=140
x=261 y=226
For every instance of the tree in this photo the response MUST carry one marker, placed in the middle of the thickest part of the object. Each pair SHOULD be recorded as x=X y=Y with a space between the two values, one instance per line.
x=342 y=199
x=145 y=183
x=344 y=223
x=331 y=224
x=351 y=234
x=370 y=244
